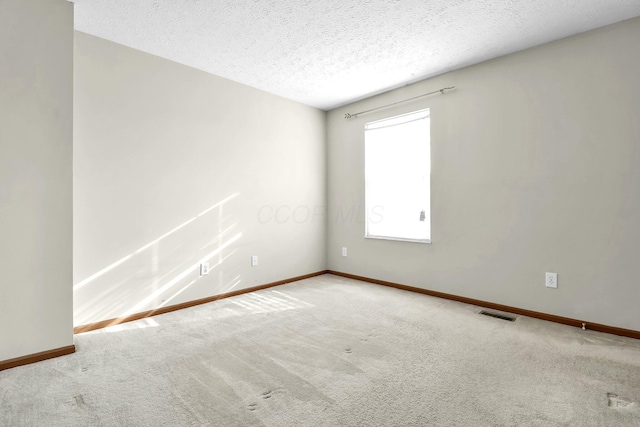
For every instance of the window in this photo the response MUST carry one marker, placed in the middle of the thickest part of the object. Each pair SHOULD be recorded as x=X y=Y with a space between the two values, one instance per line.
x=397 y=178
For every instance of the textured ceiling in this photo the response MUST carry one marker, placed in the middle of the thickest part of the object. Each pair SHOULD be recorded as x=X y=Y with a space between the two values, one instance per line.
x=326 y=53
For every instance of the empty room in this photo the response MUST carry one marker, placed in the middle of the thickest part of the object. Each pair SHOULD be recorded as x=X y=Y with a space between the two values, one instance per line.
x=336 y=213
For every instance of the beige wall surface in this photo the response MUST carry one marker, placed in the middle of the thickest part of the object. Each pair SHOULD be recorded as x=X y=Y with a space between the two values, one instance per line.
x=36 y=66
x=173 y=166
x=535 y=168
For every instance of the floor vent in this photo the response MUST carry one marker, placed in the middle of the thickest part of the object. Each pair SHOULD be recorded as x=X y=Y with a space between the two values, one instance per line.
x=498 y=316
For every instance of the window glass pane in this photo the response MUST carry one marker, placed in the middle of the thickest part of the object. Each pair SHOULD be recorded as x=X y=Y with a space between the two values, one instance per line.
x=397 y=172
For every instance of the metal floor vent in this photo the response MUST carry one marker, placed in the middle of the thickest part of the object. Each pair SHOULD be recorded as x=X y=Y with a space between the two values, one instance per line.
x=498 y=316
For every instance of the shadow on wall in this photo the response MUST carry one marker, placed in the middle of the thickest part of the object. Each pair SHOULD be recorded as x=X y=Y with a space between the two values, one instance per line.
x=154 y=275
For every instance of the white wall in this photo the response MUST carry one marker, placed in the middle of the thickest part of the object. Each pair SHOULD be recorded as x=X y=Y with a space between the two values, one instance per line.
x=535 y=168
x=172 y=165
x=36 y=66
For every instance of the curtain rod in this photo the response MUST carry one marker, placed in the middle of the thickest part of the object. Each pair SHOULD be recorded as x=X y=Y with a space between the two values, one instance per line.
x=351 y=116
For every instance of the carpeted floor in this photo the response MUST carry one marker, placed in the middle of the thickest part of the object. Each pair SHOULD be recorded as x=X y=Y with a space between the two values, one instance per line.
x=330 y=351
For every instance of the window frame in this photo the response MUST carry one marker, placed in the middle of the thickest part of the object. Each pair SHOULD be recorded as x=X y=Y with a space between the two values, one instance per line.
x=367 y=235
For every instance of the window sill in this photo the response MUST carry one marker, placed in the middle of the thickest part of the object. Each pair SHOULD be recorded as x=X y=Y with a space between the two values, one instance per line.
x=399 y=239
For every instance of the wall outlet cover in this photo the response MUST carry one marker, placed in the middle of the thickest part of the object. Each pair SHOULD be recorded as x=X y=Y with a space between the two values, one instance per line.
x=551 y=280
x=204 y=268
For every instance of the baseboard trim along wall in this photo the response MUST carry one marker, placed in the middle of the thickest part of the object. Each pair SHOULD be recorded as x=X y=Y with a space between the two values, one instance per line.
x=37 y=357
x=63 y=351
x=515 y=310
x=144 y=314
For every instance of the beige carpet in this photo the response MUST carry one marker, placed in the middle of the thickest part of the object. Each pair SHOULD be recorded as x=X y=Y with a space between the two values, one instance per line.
x=330 y=351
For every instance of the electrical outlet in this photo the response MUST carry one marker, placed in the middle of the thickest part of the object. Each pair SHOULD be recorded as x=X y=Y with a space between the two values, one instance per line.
x=344 y=251
x=204 y=268
x=551 y=280
x=254 y=260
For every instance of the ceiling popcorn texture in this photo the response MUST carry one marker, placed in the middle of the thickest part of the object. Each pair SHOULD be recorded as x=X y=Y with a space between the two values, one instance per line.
x=331 y=52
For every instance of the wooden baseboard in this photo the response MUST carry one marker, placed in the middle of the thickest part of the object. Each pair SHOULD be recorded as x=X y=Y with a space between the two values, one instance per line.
x=144 y=314
x=521 y=311
x=500 y=307
x=37 y=357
